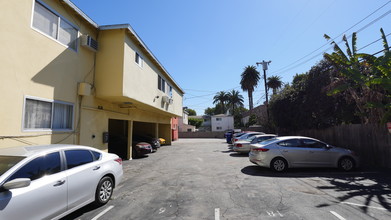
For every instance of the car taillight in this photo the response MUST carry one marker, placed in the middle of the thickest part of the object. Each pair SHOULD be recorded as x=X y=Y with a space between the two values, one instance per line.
x=236 y=139
x=118 y=160
x=260 y=149
x=239 y=145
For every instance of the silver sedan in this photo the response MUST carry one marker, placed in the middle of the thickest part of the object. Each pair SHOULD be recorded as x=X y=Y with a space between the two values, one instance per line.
x=244 y=146
x=295 y=151
x=51 y=181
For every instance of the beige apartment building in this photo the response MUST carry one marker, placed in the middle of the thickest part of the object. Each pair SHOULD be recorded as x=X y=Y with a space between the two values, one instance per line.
x=67 y=80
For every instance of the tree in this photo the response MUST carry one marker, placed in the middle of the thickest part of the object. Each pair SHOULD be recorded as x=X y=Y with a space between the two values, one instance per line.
x=274 y=82
x=221 y=98
x=235 y=100
x=210 y=111
x=249 y=81
x=363 y=78
x=191 y=112
x=197 y=122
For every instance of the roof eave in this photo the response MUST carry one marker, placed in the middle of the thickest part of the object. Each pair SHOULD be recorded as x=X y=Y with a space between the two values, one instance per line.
x=131 y=30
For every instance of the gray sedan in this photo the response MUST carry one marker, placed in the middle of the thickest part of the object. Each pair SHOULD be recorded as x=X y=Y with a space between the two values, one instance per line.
x=51 y=181
x=295 y=151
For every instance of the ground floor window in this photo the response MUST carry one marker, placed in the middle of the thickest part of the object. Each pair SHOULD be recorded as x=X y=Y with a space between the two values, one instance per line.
x=42 y=114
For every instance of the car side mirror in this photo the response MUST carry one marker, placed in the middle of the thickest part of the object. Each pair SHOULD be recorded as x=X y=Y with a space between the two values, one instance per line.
x=17 y=183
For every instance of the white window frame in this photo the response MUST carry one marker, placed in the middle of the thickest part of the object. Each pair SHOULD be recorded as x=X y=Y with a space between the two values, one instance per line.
x=138 y=59
x=169 y=90
x=51 y=114
x=59 y=20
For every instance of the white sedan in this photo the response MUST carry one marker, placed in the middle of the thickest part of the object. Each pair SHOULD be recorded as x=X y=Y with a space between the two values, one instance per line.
x=51 y=181
x=281 y=153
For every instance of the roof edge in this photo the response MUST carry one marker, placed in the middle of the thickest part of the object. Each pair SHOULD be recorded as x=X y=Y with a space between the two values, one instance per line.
x=133 y=32
x=81 y=13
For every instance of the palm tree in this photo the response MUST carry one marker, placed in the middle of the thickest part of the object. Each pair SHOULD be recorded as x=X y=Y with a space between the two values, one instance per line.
x=235 y=100
x=249 y=81
x=274 y=82
x=221 y=98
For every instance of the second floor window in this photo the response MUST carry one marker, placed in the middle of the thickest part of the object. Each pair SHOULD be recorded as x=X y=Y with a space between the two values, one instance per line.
x=51 y=24
x=138 y=60
x=161 y=84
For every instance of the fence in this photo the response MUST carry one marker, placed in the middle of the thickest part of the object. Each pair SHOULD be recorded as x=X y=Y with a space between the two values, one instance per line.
x=371 y=142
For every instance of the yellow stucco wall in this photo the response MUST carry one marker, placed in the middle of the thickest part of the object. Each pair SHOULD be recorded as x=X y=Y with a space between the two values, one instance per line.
x=35 y=65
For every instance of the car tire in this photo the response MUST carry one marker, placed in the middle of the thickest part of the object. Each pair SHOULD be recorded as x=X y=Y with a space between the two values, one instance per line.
x=104 y=191
x=279 y=164
x=346 y=164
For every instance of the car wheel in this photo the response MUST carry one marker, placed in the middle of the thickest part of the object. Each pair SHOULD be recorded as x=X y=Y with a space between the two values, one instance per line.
x=104 y=191
x=279 y=164
x=346 y=164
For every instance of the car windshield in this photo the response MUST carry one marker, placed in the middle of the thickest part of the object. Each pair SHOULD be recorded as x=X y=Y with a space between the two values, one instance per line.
x=7 y=162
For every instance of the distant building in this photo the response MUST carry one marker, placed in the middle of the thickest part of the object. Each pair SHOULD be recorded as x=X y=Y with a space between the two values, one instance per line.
x=222 y=122
x=183 y=123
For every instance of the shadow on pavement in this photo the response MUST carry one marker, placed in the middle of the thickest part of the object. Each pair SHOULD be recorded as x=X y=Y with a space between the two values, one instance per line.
x=236 y=154
x=374 y=186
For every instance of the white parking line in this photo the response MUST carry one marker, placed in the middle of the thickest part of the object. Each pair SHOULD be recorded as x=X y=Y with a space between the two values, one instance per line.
x=217 y=214
x=372 y=207
x=337 y=215
x=103 y=212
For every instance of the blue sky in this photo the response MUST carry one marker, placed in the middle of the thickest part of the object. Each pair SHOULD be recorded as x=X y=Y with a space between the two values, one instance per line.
x=206 y=44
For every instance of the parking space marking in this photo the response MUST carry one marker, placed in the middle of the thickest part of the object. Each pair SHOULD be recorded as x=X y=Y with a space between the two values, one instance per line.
x=372 y=207
x=337 y=215
x=103 y=212
x=217 y=214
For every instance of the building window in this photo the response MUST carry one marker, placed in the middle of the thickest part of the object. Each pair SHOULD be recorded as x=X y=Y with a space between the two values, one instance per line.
x=51 y=24
x=219 y=128
x=218 y=119
x=161 y=84
x=139 y=60
x=47 y=115
x=169 y=90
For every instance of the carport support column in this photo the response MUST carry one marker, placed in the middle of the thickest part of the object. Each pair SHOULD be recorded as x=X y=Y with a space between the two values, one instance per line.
x=130 y=138
x=157 y=130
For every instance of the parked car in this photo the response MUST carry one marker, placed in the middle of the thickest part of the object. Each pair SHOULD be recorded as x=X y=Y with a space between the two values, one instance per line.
x=244 y=136
x=154 y=142
x=162 y=141
x=140 y=149
x=244 y=146
x=281 y=153
x=51 y=181
x=229 y=134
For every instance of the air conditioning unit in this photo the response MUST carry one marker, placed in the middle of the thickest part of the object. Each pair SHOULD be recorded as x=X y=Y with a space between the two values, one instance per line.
x=166 y=99
x=88 y=42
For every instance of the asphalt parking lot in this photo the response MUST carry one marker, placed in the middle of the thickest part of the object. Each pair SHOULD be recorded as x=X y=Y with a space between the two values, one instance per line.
x=204 y=179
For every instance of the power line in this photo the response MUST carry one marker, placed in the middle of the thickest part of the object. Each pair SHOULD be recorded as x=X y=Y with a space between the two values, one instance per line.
x=286 y=68
x=373 y=42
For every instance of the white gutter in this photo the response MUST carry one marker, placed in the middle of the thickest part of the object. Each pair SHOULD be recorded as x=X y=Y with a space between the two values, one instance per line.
x=80 y=12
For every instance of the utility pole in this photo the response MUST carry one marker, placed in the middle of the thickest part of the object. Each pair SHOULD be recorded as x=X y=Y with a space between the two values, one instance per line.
x=264 y=67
